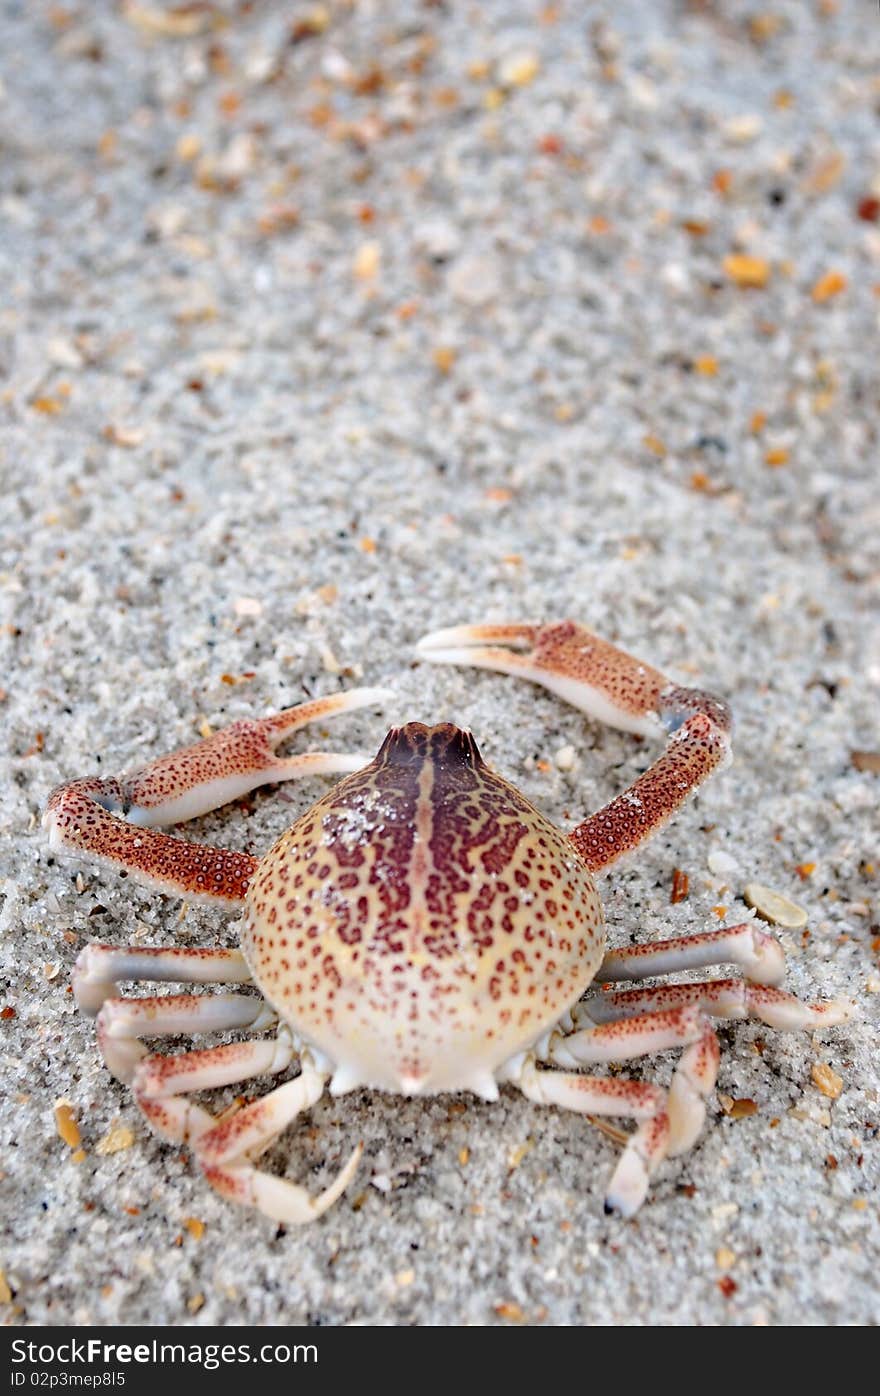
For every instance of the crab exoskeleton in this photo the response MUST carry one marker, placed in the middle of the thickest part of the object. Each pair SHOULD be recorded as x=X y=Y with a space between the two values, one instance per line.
x=422 y=928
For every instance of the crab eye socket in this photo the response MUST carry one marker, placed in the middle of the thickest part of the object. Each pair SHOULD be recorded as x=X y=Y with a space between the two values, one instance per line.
x=415 y=743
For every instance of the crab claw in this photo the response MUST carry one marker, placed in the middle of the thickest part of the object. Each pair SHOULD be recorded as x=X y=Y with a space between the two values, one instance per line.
x=578 y=666
x=433 y=646
x=613 y=687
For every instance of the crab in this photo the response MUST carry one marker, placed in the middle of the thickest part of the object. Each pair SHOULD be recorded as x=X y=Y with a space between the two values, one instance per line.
x=423 y=928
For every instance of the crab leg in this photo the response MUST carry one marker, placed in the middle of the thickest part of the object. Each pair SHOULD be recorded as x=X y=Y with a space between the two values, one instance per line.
x=158 y=1076
x=111 y=817
x=123 y=1022
x=157 y=1082
x=224 y=1148
x=638 y=1036
x=98 y=967
x=251 y=1131
x=624 y=1038
x=759 y=954
x=719 y=998
x=640 y=1021
x=592 y=1095
x=613 y=687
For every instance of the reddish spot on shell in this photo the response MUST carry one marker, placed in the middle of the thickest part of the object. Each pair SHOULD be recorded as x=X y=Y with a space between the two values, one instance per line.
x=422 y=879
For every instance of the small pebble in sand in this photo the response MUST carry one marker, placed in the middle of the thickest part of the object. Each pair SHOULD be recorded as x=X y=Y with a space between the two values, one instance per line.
x=248 y=606
x=744 y=128
x=444 y=358
x=680 y=886
x=66 y=1125
x=116 y=1139
x=827 y=1080
x=510 y=1311
x=328 y=659
x=518 y=69
x=737 y=1109
x=745 y=270
x=829 y=285
x=366 y=261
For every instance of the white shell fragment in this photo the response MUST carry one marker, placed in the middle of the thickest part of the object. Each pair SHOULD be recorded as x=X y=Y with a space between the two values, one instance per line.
x=475 y=280
x=773 y=907
x=247 y=606
x=565 y=758
x=721 y=863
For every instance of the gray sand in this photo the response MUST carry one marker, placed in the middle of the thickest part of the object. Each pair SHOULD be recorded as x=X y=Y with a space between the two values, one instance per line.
x=310 y=347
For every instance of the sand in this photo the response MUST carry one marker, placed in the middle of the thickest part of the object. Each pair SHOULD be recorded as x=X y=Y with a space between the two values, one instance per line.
x=324 y=326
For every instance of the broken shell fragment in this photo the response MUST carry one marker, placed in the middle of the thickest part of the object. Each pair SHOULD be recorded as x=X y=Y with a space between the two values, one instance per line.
x=773 y=907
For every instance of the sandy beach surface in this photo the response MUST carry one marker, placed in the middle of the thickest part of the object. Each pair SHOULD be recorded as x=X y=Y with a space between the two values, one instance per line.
x=324 y=325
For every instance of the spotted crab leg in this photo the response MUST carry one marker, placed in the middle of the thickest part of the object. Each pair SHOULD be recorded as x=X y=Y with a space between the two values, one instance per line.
x=122 y=1022
x=760 y=956
x=671 y=1120
x=613 y=687
x=112 y=818
x=719 y=998
x=618 y=1096
x=158 y=1081
x=224 y=1148
x=630 y=1023
x=99 y=967
x=758 y=953
x=648 y=1020
x=224 y=1153
x=638 y=1036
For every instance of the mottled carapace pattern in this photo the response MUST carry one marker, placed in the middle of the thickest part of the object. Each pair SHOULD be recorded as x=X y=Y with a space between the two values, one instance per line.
x=423 y=922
